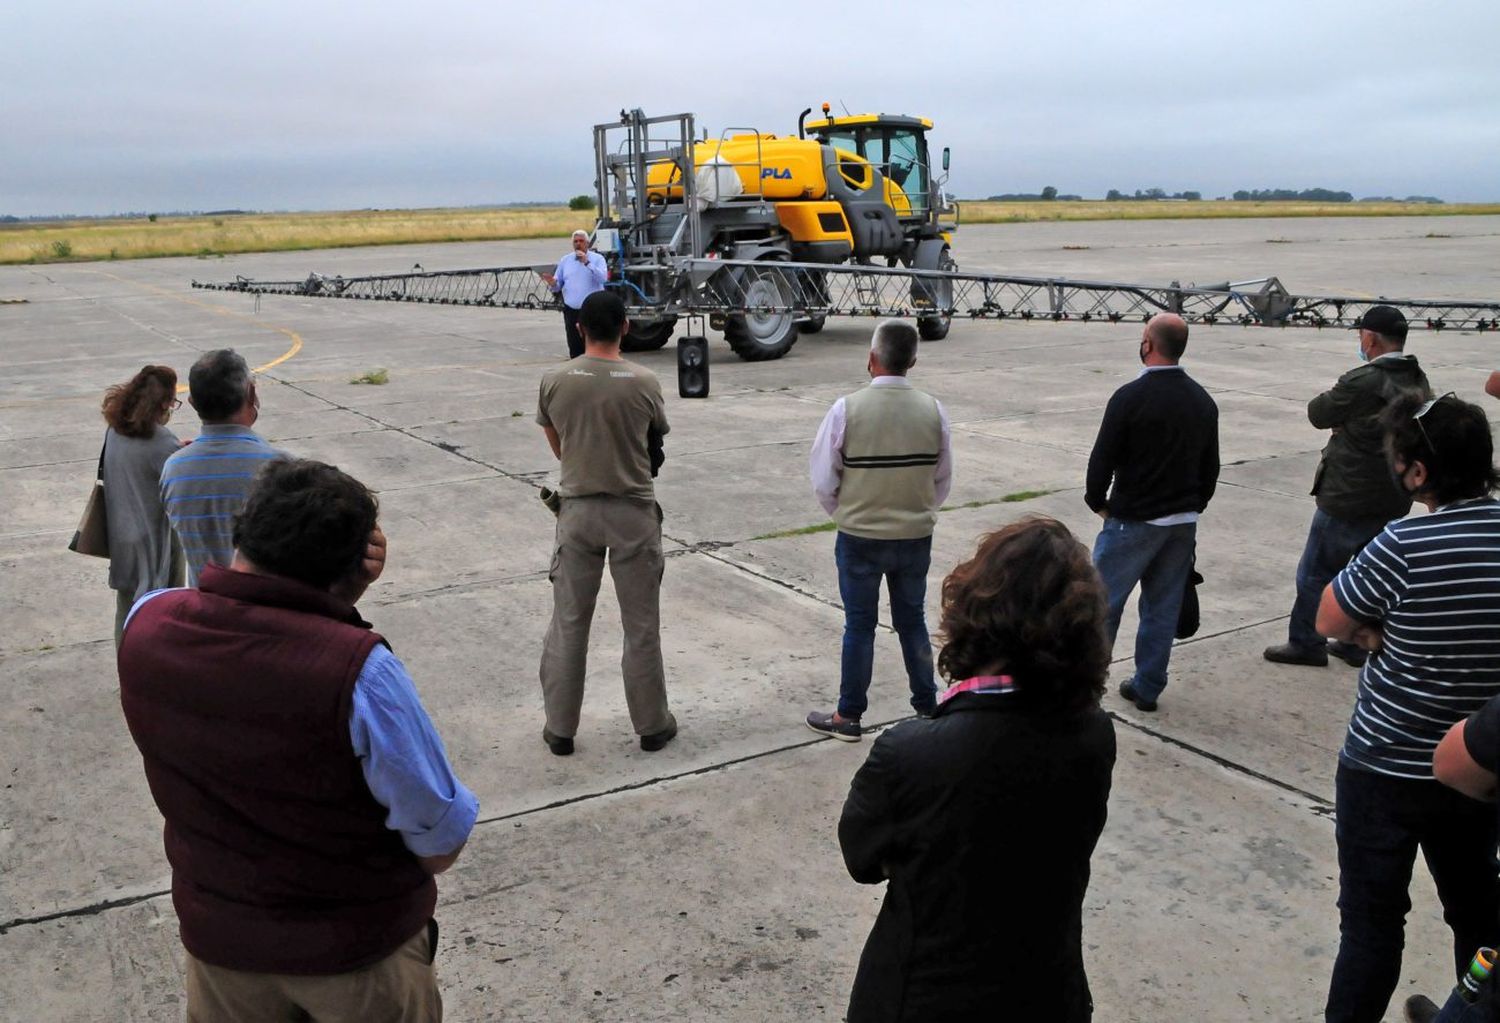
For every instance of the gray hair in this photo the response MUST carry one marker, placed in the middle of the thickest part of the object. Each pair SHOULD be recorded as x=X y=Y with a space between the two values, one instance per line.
x=895 y=345
x=580 y=233
x=219 y=384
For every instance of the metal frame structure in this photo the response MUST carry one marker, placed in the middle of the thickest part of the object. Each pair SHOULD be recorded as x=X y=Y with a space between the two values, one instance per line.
x=715 y=287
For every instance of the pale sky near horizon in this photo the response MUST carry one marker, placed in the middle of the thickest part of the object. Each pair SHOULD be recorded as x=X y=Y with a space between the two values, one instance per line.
x=161 y=105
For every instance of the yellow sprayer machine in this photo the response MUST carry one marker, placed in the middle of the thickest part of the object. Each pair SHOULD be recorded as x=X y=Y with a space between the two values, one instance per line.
x=763 y=236
x=858 y=189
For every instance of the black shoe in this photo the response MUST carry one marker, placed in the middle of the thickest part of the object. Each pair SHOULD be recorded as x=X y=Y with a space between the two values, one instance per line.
x=1128 y=692
x=560 y=745
x=1350 y=653
x=1420 y=1009
x=842 y=729
x=1286 y=653
x=656 y=740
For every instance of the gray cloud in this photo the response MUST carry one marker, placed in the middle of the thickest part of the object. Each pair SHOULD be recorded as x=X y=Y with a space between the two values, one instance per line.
x=166 y=105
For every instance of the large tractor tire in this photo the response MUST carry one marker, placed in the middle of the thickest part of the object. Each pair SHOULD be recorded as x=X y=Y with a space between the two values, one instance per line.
x=758 y=336
x=812 y=324
x=648 y=335
x=940 y=294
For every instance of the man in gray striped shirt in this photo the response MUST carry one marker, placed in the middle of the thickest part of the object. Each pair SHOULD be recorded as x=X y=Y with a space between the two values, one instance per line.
x=1424 y=599
x=204 y=485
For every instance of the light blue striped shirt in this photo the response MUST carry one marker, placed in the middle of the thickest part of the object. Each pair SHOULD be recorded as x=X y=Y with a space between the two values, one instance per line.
x=204 y=486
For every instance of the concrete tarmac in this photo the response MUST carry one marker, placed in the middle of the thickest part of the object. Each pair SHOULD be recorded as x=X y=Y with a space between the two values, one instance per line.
x=704 y=882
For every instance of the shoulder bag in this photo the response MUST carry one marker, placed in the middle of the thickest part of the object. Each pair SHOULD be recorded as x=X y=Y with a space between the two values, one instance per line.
x=92 y=535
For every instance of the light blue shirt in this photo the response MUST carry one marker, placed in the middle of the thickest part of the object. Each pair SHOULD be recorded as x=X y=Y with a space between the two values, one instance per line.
x=205 y=485
x=403 y=760
x=577 y=281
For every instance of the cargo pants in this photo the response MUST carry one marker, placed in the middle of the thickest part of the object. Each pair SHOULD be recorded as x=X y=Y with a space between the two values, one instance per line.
x=627 y=532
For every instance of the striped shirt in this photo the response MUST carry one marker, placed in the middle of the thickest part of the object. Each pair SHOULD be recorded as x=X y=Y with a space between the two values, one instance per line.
x=1432 y=582
x=204 y=486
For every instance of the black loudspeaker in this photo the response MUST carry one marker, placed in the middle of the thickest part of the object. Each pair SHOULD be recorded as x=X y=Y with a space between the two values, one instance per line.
x=692 y=367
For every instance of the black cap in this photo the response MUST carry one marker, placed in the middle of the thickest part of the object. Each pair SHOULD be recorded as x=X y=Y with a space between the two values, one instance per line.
x=1384 y=320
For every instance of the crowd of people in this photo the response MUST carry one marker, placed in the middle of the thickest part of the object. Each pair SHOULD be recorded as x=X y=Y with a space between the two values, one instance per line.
x=309 y=802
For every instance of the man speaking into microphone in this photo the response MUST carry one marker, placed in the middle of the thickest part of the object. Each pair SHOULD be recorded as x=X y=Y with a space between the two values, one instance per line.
x=578 y=275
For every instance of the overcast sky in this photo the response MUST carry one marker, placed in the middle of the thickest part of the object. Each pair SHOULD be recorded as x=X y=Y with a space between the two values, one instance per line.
x=168 y=105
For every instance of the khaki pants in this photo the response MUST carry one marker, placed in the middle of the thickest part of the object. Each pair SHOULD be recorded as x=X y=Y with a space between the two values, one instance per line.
x=629 y=533
x=401 y=988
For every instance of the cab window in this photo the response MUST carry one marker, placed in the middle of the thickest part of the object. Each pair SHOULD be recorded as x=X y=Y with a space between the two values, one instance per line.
x=905 y=167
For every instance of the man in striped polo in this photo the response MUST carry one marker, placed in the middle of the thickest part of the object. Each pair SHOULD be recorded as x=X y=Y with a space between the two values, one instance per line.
x=1424 y=598
x=881 y=466
x=204 y=485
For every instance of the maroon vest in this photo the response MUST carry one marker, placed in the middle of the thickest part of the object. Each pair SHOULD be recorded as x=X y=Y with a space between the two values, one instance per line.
x=238 y=695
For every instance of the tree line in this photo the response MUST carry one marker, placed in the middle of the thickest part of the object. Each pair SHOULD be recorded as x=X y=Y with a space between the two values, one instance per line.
x=1050 y=194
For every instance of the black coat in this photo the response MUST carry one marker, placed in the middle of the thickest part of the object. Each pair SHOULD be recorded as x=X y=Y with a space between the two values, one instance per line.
x=1353 y=481
x=983 y=819
x=1157 y=452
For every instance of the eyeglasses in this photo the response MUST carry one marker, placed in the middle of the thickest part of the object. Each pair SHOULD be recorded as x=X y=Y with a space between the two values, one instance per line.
x=1425 y=408
x=176 y=404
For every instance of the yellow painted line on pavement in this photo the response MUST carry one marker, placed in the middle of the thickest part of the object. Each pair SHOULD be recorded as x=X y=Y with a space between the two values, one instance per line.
x=221 y=311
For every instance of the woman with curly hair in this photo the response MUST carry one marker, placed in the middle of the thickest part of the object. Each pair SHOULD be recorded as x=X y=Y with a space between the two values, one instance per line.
x=983 y=818
x=144 y=554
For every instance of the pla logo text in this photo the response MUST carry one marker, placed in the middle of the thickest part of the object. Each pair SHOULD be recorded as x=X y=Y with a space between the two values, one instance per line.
x=779 y=173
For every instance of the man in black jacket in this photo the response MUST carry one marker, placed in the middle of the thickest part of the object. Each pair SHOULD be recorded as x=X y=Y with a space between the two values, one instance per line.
x=1355 y=493
x=1159 y=446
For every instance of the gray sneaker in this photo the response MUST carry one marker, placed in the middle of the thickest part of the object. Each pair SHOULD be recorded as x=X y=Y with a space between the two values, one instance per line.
x=832 y=724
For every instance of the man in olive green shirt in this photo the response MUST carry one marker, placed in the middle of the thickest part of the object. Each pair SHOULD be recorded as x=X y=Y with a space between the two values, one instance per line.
x=1356 y=495
x=598 y=412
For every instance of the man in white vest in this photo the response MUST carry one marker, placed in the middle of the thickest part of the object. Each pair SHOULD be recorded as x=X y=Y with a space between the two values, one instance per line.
x=881 y=466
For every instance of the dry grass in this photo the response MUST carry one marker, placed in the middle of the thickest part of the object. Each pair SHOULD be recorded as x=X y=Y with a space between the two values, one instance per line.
x=138 y=237
x=984 y=212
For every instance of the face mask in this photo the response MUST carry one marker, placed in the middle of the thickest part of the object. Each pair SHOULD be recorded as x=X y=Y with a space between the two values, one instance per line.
x=1362 y=356
x=1398 y=479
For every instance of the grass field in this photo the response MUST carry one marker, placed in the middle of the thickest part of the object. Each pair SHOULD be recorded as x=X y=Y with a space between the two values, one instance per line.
x=214 y=235
x=140 y=238
x=984 y=212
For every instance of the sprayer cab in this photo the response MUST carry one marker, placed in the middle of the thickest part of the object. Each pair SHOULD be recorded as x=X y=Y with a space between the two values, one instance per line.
x=896 y=146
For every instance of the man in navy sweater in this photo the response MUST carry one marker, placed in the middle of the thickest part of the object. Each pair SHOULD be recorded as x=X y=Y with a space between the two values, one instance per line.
x=1151 y=473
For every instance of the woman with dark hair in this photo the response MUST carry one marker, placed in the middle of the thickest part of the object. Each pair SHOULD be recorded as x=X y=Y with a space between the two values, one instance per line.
x=144 y=554
x=1423 y=598
x=983 y=818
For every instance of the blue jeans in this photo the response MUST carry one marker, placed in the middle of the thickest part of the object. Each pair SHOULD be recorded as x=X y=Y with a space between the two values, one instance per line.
x=1331 y=544
x=1159 y=558
x=903 y=564
x=1380 y=823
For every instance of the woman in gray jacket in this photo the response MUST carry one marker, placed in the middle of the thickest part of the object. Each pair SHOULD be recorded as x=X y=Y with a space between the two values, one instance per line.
x=144 y=554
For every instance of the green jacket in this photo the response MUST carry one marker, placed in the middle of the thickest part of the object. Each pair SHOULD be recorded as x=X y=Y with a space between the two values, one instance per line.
x=1353 y=481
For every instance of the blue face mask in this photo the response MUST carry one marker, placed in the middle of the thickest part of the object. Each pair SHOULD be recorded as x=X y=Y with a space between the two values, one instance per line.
x=1362 y=356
